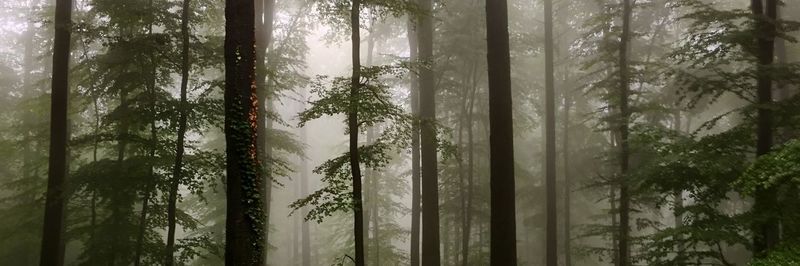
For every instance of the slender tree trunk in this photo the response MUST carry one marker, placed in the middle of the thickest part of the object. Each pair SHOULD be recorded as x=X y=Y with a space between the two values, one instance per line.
x=550 y=139
x=624 y=117
x=304 y=176
x=264 y=10
x=766 y=233
x=501 y=138
x=352 y=121
x=470 y=171
x=430 y=180
x=52 y=251
x=567 y=182
x=244 y=217
x=177 y=170
x=614 y=224
x=415 y=150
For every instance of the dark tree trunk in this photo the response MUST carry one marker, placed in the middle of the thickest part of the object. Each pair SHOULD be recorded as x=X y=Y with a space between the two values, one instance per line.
x=427 y=109
x=550 y=139
x=244 y=218
x=415 y=149
x=352 y=121
x=766 y=232
x=622 y=125
x=501 y=138
x=264 y=14
x=177 y=170
x=52 y=252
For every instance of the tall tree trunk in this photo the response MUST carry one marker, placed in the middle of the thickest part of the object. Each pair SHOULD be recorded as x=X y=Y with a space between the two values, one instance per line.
x=430 y=179
x=766 y=232
x=52 y=251
x=149 y=190
x=264 y=14
x=304 y=176
x=177 y=170
x=466 y=233
x=622 y=124
x=415 y=148
x=550 y=139
x=501 y=137
x=244 y=217
x=352 y=121
x=567 y=180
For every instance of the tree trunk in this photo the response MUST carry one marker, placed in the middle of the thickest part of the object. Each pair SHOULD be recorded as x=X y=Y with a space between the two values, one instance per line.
x=624 y=154
x=244 y=217
x=567 y=180
x=177 y=170
x=415 y=149
x=52 y=252
x=304 y=176
x=550 y=139
x=766 y=233
x=501 y=138
x=264 y=14
x=352 y=121
x=470 y=170
x=430 y=180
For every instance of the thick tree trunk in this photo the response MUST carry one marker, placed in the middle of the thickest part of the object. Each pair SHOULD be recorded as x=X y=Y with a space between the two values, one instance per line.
x=623 y=120
x=430 y=180
x=177 y=170
x=244 y=218
x=415 y=149
x=550 y=139
x=352 y=121
x=766 y=233
x=52 y=251
x=501 y=138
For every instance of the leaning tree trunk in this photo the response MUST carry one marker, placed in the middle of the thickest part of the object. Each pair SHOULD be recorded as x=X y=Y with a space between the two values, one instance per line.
x=177 y=170
x=352 y=122
x=244 y=223
x=501 y=138
x=415 y=149
x=622 y=124
x=766 y=233
x=52 y=252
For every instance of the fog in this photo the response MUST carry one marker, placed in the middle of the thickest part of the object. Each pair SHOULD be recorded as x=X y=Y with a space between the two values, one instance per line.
x=592 y=132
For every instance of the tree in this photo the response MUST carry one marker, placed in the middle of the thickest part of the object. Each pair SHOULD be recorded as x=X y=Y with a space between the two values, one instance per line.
x=766 y=232
x=623 y=131
x=177 y=170
x=52 y=252
x=264 y=10
x=501 y=139
x=352 y=127
x=244 y=218
x=550 y=138
x=415 y=147
x=427 y=112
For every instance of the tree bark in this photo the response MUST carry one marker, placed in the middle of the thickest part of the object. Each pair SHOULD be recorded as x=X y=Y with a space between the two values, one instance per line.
x=430 y=180
x=52 y=251
x=550 y=139
x=415 y=149
x=353 y=125
x=567 y=180
x=501 y=138
x=766 y=232
x=244 y=217
x=177 y=170
x=624 y=154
